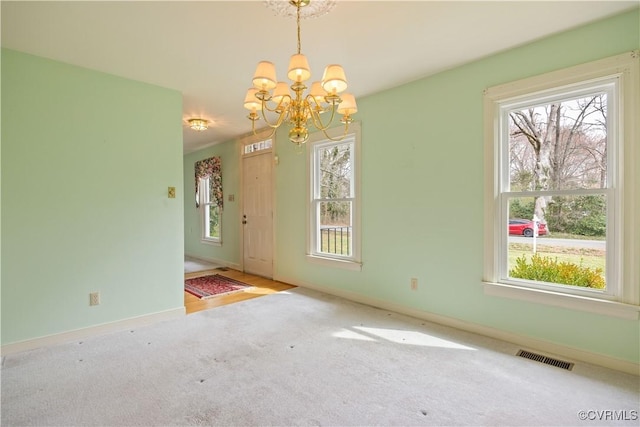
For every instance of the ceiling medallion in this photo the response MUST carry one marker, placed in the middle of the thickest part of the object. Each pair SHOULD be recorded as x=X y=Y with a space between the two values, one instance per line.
x=312 y=9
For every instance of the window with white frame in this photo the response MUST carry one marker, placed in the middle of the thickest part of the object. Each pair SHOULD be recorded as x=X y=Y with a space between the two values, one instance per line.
x=210 y=214
x=209 y=200
x=334 y=206
x=558 y=203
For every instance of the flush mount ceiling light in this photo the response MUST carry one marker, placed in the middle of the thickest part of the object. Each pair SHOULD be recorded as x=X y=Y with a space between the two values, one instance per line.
x=271 y=97
x=198 y=124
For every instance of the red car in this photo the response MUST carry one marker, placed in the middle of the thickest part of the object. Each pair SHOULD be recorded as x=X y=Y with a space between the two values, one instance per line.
x=524 y=227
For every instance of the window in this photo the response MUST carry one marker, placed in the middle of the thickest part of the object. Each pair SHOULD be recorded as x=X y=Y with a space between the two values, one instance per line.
x=558 y=206
x=334 y=206
x=257 y=146
x=211 y=215
x=209 y=201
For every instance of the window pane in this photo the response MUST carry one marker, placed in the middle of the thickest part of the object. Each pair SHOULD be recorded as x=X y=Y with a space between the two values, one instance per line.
x=570 y=248
x=213 y=221
x=560 y=145
x=206 y=190
x=335 y=172
x=335 y=228
x=258 y=146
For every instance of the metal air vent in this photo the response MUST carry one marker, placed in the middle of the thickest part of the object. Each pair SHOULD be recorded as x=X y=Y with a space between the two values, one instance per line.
x=545 y=359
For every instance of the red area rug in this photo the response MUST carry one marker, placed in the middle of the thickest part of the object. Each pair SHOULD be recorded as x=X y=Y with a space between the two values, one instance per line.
x=213 y=286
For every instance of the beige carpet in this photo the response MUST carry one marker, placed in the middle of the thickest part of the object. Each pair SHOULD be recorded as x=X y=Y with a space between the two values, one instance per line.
x=307 y=359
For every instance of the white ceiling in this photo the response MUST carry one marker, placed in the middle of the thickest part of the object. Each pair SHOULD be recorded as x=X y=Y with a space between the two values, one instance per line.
x=208 y=50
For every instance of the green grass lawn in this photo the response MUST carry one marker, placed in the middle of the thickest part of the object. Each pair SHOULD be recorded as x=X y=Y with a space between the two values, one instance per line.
x=558 y=235
x=336 y=243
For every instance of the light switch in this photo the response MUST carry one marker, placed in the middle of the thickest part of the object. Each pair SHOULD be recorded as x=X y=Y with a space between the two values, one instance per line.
x=232 y=197
x=172 y=192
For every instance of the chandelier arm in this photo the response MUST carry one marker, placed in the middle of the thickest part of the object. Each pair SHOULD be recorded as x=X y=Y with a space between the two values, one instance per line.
x=340 y=138
x=315 y=116
x=277 y=108
x=318 y=106
x=281 y=115
x=255 y=132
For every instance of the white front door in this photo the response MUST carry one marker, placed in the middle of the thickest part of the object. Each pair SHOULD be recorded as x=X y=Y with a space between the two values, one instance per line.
x=257 y=215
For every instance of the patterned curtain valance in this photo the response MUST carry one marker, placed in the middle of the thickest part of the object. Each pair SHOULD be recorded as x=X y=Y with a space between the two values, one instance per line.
x=210 y=168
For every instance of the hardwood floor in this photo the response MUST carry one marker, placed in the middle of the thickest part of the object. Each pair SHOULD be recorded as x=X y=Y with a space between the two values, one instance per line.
x=262 y=286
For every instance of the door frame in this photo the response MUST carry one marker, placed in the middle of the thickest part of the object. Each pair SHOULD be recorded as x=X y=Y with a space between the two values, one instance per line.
x=243 y=142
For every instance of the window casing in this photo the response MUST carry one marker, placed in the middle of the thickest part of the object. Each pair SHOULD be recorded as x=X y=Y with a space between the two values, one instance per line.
x=210 y=214
x=510 y=113
x=334 y=199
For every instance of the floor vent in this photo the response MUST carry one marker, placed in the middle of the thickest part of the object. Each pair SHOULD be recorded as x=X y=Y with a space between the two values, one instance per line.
x=546 y=360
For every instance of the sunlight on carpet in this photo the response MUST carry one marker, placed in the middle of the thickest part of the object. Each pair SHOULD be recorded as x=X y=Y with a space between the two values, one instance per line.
x=399 y=337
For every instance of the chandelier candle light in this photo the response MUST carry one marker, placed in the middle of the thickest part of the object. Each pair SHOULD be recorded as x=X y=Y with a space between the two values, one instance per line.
x=299 y=109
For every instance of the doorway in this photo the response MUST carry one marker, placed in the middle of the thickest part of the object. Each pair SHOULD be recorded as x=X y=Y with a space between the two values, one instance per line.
x=257 y=204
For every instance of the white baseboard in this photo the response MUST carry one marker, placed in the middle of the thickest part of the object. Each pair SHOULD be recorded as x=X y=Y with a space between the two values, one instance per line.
x=224 y=263
x=83 y=333
x=572 y=353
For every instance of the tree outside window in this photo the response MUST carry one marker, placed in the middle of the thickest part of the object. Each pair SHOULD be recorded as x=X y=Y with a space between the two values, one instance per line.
x=211 y=223
x=209 y=200
x=558 y=153
x=335 y=198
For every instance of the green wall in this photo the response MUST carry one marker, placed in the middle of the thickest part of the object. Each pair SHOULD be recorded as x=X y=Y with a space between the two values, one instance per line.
x=86 y=161
x=422 y=197
x=229 y=252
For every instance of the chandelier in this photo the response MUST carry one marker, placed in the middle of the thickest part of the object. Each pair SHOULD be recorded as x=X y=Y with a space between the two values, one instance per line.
x=273 y=98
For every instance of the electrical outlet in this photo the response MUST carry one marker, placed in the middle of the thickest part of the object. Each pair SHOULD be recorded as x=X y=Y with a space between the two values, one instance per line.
x=414 y=284
x=94 y=298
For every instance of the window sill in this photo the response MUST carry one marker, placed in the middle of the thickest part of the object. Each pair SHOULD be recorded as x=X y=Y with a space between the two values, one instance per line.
x=337 y=263
x=574 y=302
x=211 y=242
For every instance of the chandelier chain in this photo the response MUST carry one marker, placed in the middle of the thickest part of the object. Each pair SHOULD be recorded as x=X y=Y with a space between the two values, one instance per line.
x=298 y=23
